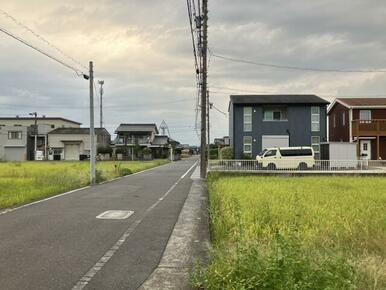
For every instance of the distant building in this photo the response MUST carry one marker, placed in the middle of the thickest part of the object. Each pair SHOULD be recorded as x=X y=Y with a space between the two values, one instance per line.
x=257 y=122
x=74 y=143
x=17 y=135
x=222 y=142
x=130 y=136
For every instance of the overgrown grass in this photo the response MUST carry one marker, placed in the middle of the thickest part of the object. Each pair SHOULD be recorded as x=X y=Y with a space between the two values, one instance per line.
x=25 y=181
x=296 y=233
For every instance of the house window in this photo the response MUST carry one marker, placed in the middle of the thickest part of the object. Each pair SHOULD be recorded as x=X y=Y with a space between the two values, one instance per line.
x=247 y=145
x=343 y=119
x=247 y=119
x=52 y=126
x=315 y=119
x=365 y=115
x=14 y=135
x=334 y=121
x=275 y=114
x=315 y=143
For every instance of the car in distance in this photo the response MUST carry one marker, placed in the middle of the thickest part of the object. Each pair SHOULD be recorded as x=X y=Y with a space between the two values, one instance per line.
x=286 y=158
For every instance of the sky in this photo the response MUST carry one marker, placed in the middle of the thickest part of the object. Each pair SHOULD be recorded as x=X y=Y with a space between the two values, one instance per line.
x=142 y=49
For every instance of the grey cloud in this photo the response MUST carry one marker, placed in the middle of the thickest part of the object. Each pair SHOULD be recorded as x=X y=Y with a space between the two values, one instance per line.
x=142 y=49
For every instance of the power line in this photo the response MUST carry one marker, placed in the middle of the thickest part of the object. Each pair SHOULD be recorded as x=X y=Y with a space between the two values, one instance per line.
x=78 y=72
x=234 y=90
x=238 y=90
x=218 y=110
x=75 y=107
x=287 y=67
x=41 y=38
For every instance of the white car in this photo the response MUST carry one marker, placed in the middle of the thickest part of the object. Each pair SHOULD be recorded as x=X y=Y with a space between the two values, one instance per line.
x=287 y=158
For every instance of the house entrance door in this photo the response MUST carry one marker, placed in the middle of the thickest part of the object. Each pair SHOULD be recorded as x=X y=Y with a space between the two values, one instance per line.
x=365 y=150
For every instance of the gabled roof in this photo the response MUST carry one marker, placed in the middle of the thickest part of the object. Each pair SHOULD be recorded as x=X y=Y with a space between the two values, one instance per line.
x=84 y=131
x=277 y=99
x=352 y=103
x=150 y=127
x=40 y=118
x=160 y=140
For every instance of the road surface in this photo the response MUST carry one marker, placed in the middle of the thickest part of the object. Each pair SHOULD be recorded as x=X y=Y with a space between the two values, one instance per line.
x=60 y=244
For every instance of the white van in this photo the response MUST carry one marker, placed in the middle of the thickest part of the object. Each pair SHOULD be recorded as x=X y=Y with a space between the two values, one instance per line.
x=287 y=158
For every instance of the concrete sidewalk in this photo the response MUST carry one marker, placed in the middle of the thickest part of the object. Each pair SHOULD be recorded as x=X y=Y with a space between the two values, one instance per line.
x=188 y=243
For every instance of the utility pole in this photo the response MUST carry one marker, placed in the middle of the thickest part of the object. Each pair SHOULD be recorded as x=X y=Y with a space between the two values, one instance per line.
x=35 y=114
x=92 y=130
x=101 y=106
x=203 y=157
x=207 y=121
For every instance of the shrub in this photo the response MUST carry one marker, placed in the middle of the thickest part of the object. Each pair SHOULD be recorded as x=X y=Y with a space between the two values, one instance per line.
x=213 y=153
x=105 y=150
x=226 y=153
x=99 y=177
x=146 y=151
x=119 y=150
x=125 y=171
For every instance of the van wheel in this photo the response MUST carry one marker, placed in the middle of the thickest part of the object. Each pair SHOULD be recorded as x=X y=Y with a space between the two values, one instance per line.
x=271 y=166
x=302 y=166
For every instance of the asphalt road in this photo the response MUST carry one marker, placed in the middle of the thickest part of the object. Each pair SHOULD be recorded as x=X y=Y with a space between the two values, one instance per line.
x=60 y=244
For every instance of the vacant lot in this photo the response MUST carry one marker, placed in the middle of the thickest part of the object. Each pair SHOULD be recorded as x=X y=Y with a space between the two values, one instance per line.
x=296 y=233
x=25 y=181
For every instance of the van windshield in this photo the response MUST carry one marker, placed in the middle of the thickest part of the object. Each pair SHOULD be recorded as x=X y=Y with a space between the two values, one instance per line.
x=262 y=152
x=270 y=153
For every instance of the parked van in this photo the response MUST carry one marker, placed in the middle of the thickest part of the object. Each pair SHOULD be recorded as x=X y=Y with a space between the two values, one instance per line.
x=287 y=158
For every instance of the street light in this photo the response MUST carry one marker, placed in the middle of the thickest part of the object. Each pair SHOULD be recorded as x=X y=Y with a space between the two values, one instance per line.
x=35 y=114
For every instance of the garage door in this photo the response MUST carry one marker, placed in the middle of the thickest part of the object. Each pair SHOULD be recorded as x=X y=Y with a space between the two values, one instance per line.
x=71 y=152
x=14 y=153
x=269 y=141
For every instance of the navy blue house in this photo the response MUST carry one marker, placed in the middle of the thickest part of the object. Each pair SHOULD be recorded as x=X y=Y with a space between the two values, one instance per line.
x=257 y=122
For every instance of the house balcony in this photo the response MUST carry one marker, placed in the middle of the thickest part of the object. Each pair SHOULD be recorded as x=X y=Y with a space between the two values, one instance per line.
x=368 y=128
x=132 y=141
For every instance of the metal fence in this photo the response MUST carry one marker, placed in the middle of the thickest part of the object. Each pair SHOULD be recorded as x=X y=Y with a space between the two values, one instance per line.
x=352 y=166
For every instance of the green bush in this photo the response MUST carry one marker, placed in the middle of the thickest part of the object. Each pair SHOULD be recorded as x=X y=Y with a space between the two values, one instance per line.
x=226 y=153
x=105 y=150
x=119 y=150
x=99 y=177
x=146 y=151
x=213 y=153
x=125 y=171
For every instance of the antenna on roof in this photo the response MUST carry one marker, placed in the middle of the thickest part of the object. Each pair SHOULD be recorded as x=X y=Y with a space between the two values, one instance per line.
x=163 y=127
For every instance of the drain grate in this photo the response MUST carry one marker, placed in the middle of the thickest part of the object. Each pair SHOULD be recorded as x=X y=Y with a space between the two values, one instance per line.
x=115 y=214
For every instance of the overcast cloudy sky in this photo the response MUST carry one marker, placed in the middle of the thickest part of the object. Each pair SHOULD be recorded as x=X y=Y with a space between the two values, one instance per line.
x=142 y=49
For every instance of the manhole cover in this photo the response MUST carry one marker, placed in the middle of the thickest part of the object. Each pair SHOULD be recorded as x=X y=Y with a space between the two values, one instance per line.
x=115 y=214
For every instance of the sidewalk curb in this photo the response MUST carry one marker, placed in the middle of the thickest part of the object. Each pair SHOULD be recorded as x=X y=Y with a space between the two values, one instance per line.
x=187 y=244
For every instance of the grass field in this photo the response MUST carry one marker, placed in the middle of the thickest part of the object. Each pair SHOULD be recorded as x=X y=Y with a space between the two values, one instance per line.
x=296 y=233
x=25 y=181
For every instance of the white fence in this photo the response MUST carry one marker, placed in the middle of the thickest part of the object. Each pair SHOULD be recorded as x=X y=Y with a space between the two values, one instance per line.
x=352 y=166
